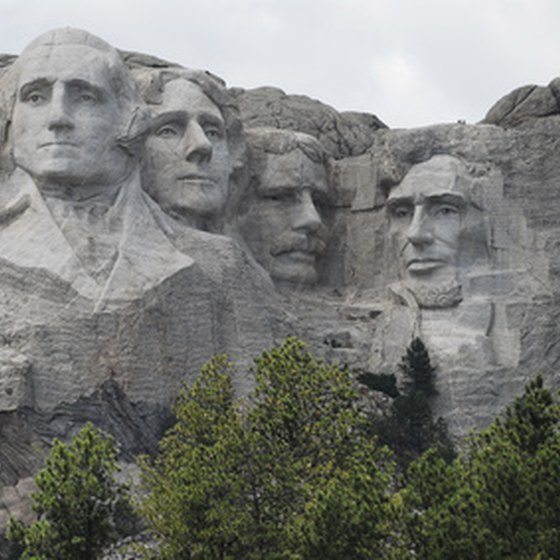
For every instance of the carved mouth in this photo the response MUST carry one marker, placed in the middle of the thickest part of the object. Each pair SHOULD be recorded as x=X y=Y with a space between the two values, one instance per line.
x=56 y=144
x=195 y=178
x=424 y=265
x=303 y=257
x=308 y=246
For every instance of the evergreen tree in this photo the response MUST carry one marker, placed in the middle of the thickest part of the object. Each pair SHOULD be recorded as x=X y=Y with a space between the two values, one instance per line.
x=499 y=498
x=293 y=475
x=77 y=501
x=410 y=429
x=418 y=370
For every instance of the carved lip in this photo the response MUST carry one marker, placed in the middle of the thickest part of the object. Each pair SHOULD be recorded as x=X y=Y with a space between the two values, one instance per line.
x=57 y=143
x=424 y=264
x=196 y=177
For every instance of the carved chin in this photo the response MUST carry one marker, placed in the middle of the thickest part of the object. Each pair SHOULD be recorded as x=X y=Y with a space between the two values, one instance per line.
x=436 y=296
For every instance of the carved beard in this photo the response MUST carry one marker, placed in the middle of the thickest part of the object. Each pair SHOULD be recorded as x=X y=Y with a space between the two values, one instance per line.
x=429 y=296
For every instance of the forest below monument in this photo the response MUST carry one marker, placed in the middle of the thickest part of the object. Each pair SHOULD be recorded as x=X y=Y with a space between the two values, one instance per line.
x=303 y=469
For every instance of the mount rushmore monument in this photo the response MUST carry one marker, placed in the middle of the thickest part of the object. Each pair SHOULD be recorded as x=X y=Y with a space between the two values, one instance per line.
x=151 y=217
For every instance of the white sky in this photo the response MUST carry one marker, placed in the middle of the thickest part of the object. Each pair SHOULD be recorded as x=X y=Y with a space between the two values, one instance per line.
x=410 y=62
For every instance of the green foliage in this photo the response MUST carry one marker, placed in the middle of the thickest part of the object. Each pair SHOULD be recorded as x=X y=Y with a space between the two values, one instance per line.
x=196 y=482
x=295 y=475
x=76 y=501
x=499 y=498
x=410 y=430
x=418 y=370
x=386 y=383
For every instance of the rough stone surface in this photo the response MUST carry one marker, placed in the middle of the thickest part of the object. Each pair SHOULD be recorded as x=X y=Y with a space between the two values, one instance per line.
x=523 y=105
x=121 y=276
x=342 y=134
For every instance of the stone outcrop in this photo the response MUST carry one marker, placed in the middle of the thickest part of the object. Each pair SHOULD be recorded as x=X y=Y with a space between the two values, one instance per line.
x=525 y=104
x=342 y=134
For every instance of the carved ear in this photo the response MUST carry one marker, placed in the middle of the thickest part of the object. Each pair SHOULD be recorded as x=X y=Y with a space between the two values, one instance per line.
x=4 y=128
x=6 y=153
x=136 y=130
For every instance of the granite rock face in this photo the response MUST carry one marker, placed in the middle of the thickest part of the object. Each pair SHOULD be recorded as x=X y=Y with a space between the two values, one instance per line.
x=487 y=316
x=151 y=217
x=342 y=134
x=109 y=304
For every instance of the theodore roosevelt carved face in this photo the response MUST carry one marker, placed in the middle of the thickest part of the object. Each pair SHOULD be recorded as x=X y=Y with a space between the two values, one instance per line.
x=282 y=221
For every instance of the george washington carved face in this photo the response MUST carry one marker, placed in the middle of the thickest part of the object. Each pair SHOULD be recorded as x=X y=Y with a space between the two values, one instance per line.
x=67 y=118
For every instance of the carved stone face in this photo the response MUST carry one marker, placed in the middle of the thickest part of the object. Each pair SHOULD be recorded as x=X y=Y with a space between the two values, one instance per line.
x=66 y=117
x=427 y=216
x=283 y=226
x=187 y=157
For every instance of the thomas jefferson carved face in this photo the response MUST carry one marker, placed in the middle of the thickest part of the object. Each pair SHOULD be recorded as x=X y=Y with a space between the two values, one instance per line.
x=427 y=214
x=188 y=161
x=66 y=117
x=283 y=226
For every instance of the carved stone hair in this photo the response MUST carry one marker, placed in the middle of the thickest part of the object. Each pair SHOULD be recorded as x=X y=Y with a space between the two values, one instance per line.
x=135 y=122
x=262 y=141
x=151 y=83
x=281 y=141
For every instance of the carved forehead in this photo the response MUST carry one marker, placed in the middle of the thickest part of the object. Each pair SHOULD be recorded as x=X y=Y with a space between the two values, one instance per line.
x=72 y=53
x=181 y=95
x=282 y=141
x=293 y=170
x=65 y=63
x=68 y=36
x=438 y=176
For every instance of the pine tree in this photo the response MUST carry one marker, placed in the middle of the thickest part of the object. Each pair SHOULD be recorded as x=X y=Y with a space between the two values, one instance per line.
x=77 y=501
x=293 y=473
x=411 y=429
x=418 y=370
x=498 y=499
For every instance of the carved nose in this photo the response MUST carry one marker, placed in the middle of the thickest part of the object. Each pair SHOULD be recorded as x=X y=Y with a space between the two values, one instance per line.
x=198 y=149
x=420 y=231
x=59 y=114
x=307 y=217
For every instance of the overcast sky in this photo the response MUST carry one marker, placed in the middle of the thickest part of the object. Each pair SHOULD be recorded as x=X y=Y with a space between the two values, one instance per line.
x=410 y=62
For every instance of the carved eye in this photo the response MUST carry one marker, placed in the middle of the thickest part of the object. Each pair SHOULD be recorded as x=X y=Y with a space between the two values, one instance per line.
x=88 y=98
x=284 y=195
x=319 y=202
x=35 y=98
x=213 y=133
x=401 y=212
x=446 y=211
x=167 y=131
x=275 y=197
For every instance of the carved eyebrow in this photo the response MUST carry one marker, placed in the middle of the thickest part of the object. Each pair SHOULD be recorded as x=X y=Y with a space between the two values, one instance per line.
x=85 y=85
x=436 y=198
x=39 y=83
x=447 y=198
x=170 y=117
x=400 y=201
x=211 y=119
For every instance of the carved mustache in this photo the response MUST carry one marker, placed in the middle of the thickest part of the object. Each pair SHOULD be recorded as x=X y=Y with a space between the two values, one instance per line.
x=290 y=242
